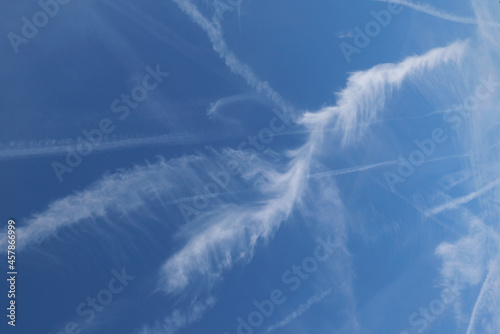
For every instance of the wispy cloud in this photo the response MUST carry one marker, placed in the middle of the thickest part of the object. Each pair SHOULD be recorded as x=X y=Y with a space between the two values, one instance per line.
x=232 y=232
x=471 y=261
x=122 y=192
x=465 y=261
x=366 y=92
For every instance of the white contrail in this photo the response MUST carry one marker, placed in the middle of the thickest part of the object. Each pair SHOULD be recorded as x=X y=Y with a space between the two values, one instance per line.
x=319 y=174
x=49 y=148
x=461 y=200
x=300 y=310
x=479 y=305
x=356 y=168
x=214 y=33
x=427 y=9
x=214 y=107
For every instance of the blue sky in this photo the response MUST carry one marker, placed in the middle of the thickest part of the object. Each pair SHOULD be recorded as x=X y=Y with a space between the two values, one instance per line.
x=245 y=166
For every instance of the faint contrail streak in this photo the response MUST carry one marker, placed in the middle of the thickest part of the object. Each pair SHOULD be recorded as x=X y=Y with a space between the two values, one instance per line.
x=214 y=107
x=461 y=200
x=300 y=310
x=427 y=9
x=356 y=169
x=59 y=149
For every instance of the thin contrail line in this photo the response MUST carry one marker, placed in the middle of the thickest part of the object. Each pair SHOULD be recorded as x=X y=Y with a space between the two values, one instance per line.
x=356 y=168
x=478 y=305
x=336 y=172
x=461 y=200
x=427 y=9
x=395 y=193
x=214 y=107
x=300 y=310
x=59 y=149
